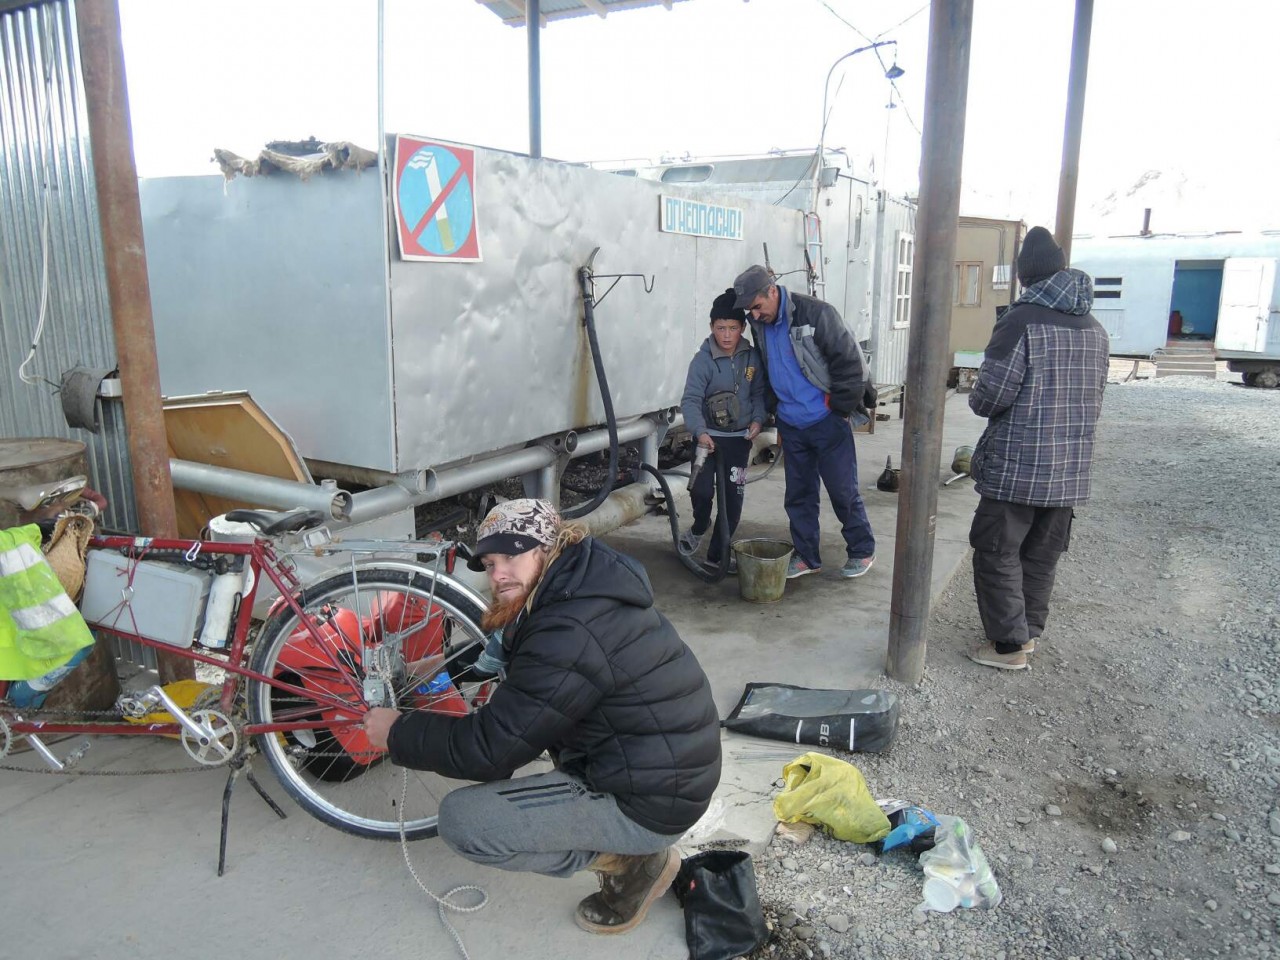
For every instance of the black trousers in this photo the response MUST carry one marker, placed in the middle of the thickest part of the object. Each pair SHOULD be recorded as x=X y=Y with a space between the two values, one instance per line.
x=734 y=452
x=1015 y=556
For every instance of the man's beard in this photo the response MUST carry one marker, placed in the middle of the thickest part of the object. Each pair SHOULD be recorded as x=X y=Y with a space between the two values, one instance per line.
x=503 y=612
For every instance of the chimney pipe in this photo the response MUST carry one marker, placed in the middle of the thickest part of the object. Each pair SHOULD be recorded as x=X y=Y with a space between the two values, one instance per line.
x=1146 y=222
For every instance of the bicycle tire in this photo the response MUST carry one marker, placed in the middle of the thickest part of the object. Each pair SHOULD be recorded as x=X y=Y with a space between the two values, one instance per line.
x=326 y=770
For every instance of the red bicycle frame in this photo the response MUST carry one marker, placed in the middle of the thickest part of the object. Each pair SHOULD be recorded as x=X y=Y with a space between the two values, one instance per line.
x=261 y=558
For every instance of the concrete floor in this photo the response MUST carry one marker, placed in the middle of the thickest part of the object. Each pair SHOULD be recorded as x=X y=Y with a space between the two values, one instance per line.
x=124 y=866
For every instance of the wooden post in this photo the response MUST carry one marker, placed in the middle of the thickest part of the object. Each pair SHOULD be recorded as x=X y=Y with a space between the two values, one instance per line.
x=116 y=179
x=928 y=360
x=1064 y=222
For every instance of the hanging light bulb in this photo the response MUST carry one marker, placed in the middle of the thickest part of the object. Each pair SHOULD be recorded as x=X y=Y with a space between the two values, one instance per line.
x=894 y=72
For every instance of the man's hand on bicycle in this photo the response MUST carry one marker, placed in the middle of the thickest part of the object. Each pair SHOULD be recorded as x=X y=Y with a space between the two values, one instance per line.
x=377 y=725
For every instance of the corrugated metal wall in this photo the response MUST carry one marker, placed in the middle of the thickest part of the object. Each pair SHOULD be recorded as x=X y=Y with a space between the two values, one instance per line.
x=48 y=202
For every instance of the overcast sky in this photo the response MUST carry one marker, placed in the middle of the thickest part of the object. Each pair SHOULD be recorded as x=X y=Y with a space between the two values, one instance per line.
x=1191 y=97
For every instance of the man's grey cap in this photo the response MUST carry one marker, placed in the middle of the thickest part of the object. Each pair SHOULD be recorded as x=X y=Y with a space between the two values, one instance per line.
x=750 y=283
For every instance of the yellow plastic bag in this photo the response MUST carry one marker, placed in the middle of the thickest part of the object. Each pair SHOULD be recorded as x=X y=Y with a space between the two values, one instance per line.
x=828 y=792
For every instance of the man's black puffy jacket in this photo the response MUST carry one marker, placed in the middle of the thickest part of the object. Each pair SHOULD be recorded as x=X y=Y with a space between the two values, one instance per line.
x=602 y=680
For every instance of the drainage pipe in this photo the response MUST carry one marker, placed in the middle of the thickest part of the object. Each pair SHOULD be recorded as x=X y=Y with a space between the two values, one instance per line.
x=260 y=490
x=618 y=509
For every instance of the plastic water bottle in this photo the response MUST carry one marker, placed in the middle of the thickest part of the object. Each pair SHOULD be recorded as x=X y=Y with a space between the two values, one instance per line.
x=217 y=612
x=440 y=683
x=31 y=693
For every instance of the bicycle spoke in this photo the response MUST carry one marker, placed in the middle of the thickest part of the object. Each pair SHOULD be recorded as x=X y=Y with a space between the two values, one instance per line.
x=410 y=627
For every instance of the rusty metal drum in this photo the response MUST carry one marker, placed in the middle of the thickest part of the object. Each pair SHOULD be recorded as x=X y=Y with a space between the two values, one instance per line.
x=30 y=461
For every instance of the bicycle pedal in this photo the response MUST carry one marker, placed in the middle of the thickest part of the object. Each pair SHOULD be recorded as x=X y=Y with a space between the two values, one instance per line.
x=76 y=755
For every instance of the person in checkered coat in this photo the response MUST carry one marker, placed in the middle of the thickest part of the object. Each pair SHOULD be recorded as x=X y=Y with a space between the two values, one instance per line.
x=1040 y=388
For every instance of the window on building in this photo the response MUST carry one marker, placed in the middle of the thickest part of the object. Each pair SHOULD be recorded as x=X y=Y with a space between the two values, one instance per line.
x=902 y=286
x=1107 y=288
x=857 y=223
x=968 y=286
x=1000 y=276
x=691 y=174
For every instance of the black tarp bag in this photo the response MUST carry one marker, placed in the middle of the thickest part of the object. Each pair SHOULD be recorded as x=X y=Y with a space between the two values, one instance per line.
x=722 y=915
x=858 y=721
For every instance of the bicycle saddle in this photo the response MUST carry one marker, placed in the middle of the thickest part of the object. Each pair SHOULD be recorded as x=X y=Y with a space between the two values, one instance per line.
x=34 y=496
x=271 y=523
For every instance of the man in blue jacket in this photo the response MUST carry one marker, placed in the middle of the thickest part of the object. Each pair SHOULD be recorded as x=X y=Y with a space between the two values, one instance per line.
x=598 y=678
x=817 y=378
x=1040 y=386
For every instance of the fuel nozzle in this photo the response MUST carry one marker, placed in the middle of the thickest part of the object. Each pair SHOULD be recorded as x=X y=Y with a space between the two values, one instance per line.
x=699 y=458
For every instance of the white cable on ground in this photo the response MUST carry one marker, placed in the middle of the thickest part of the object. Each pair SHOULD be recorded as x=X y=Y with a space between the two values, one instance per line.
x=443 y=903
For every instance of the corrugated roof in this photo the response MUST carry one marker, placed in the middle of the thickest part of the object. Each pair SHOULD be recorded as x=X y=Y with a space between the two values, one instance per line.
x=512 y=12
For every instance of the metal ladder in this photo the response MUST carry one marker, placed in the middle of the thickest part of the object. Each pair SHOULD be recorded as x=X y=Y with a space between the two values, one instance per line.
x=813 y=254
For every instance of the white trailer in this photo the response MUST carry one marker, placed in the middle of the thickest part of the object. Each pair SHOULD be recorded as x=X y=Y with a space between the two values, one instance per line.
x=1220 y=288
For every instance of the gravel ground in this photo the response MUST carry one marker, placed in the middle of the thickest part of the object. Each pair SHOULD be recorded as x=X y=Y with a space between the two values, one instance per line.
x=1125 y=787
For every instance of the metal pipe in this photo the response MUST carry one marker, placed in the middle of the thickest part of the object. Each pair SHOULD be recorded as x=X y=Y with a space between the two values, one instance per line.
x=618 y=509
x=549 y=484
x=116 y=180
x=649 y=449
x=532 y=25
x=381 y=502
x=264 y=491
x=598 y=440
x=928 y=359
x=1064 y=222
x=454 y=480
x=392 y=498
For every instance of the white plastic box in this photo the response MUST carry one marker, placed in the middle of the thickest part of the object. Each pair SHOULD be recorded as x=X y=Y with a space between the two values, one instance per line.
x=166 y=605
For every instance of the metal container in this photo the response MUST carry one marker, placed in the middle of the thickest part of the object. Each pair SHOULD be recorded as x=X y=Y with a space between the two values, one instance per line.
x=26 y=461
x=762 y=568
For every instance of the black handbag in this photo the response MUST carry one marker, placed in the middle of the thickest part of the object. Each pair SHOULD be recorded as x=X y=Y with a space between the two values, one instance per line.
x=722 y=915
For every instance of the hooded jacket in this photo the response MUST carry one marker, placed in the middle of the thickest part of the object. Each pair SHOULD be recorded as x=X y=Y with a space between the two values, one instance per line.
x=828 y=355
x=599 y=678
x=712 y=371
x=1040 y=386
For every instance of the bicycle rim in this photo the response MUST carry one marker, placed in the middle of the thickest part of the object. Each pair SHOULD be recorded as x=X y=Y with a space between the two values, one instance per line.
x=331 y=771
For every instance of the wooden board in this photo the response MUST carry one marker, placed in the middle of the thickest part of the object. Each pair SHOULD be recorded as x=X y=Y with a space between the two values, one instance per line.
x=225 y=430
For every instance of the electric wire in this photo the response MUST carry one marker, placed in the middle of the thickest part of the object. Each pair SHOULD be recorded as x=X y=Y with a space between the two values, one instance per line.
x=42 y=314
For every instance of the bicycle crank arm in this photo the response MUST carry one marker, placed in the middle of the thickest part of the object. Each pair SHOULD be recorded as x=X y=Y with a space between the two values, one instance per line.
x=202 y=734
x=40 y=747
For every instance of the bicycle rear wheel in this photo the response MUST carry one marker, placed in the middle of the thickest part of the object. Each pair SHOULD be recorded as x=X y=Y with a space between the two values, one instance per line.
x=330 y=768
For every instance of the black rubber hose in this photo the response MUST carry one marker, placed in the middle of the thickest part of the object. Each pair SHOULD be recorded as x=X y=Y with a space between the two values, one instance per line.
x=722 y=526
x=589 y=318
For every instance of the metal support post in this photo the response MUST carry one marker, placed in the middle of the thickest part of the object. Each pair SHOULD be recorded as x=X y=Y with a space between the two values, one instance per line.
x=532 y=24
x=946 y=92
x=116 y=180
x=1064 y=222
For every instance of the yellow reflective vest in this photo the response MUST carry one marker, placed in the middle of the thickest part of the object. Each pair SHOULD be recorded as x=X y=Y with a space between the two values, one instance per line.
x=40 y=628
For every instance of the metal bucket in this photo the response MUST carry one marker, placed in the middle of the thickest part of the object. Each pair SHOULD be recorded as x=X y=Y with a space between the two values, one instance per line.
x=762 y=568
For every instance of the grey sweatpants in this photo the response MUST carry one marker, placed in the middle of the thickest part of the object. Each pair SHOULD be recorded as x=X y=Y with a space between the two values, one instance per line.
x=551 y=823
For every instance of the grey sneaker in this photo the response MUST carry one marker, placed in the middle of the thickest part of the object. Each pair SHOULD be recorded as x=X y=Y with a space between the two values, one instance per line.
x=689 y=542
x=1030 y=646
x=858 y=567
x=989 y=657
x=798 y=568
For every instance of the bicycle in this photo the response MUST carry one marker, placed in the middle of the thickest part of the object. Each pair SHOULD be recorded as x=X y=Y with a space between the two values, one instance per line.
x=382 y=632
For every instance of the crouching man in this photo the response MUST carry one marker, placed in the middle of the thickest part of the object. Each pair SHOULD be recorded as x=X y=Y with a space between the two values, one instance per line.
x=601 y=680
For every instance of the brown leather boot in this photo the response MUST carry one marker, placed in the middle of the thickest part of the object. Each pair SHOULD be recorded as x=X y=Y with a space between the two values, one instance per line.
x=628 y=886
